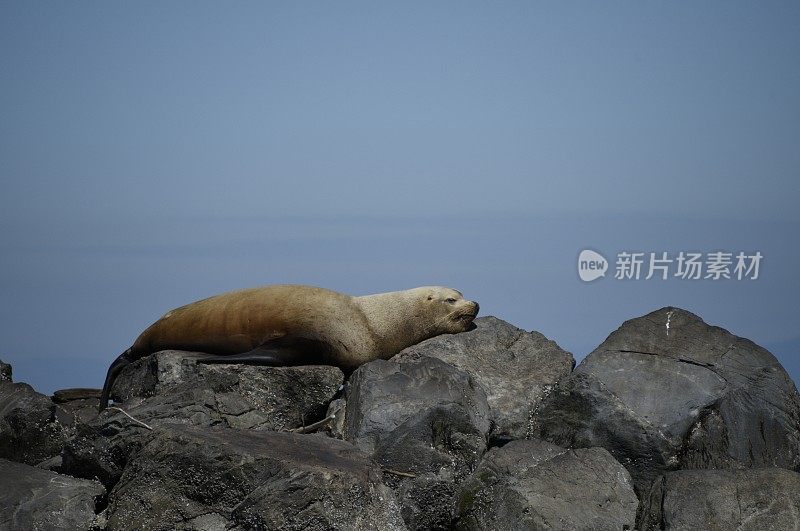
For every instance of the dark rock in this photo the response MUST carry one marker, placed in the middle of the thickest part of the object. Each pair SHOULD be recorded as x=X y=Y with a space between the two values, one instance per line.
x=101 y=447
x=667 y=391
x=187 y=477
x=245 y=397
x=5 y=372
x=79 y=411
x=757 y=499
x=337 y=411
x=29 y=430
x=427 y=502
x=515 y=368
x=36 y=499
x=63 y=396
x=422 y=418
x=532 y=484
x=288 y=397
x=152 y=374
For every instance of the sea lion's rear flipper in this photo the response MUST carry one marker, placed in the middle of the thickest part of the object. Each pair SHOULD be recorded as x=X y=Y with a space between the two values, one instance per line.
x=113 y=371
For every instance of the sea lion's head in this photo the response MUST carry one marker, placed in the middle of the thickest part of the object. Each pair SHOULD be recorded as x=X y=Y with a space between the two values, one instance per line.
x=453 y=313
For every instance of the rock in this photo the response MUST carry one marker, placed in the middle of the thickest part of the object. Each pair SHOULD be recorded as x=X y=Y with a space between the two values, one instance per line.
x=767 y=498
x=337 y=410
x=667 y=391
x=5 y=372
x=532 y=484
x=80 y=411
x=515 y=368
x=151 y=374
x=63 y=396
x=245 y=397
x=425 y=422
x=427 y=501
x=101 y=447
x=36 y=499
x=289 y=396
x=29 y=430
x=188 y=477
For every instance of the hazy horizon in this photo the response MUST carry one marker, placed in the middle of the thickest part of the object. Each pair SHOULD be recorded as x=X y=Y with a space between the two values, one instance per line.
x=153 y=154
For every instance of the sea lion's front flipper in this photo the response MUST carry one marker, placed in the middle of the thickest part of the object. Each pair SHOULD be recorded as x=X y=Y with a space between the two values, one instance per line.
x=270 y=356
x=280 y=352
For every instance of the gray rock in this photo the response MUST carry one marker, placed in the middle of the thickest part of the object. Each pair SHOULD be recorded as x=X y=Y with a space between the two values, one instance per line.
x=337 y=409
x=289 y=396
x=63 y=396
x=187 y=477
x=5 y=372
x=532 y=484
x=36 y=499
x=422 y=418
x=74 y=412
x=667 y=391
x=244 y=397
x=515 y=368
x=719 y=500
x=154 y=373
x=427 y=502
x=29 y=430
x=100 y=448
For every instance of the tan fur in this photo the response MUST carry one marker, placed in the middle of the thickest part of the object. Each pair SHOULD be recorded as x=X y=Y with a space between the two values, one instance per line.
x=350 y=330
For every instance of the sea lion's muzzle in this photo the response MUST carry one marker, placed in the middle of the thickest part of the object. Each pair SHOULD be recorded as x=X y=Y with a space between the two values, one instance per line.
x=469 y=313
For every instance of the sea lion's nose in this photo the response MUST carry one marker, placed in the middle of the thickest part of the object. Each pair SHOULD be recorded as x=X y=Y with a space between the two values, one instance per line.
x=477 y=307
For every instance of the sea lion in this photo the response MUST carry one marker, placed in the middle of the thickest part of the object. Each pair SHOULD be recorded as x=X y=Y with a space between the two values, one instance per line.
x=301 y=325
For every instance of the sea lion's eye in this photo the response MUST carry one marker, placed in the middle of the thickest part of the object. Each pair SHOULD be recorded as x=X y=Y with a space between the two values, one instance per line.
x=451 y=301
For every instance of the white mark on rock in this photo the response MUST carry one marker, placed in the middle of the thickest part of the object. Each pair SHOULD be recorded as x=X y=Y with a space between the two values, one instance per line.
x=669 y=316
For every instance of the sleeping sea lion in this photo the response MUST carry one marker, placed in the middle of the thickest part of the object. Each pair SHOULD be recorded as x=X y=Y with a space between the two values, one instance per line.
x=301 y=325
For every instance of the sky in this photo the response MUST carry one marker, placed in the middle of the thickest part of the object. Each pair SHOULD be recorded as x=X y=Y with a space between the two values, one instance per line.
x=153 y=153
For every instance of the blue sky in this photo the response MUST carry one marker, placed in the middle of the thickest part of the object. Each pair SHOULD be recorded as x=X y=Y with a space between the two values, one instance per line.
x=156 y=153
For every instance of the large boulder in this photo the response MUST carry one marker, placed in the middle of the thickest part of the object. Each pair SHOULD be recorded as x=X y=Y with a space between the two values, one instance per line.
x=29 y=430
x=289 y=396
x=532 y=484
x=219 y=478
x=425 y=422
x=719 y=500
x=515 y=368
x=667 y=391
x=31 y=498
x=242 y=397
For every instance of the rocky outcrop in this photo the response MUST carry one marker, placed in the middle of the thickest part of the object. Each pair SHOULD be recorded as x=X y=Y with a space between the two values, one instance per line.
x=667 y=391
x=219 y=478
x=425 y=422
x=29 y=430
x=487 y=429
x=533 y=484
x=755 y=500
x=39 y=500
x=242 y=397
x=515 y=368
